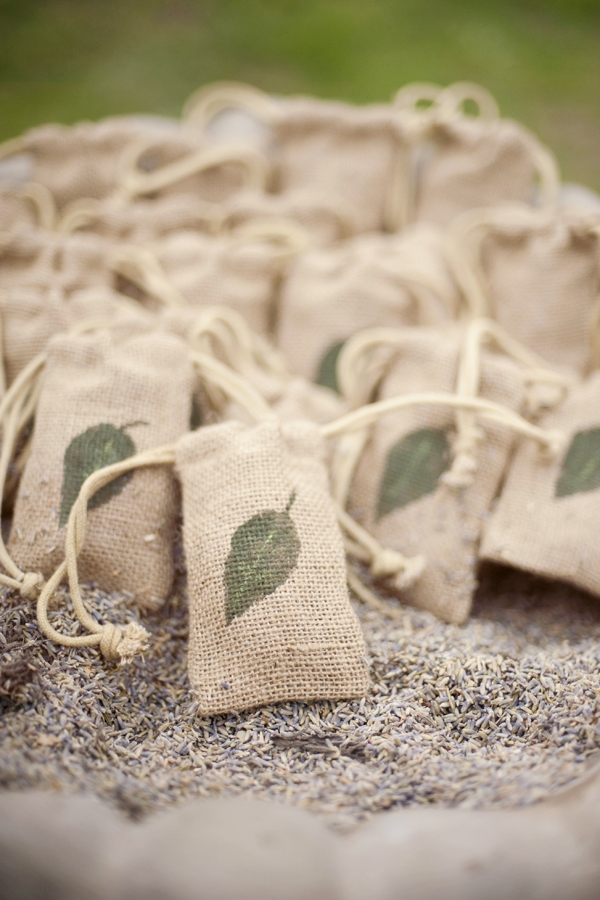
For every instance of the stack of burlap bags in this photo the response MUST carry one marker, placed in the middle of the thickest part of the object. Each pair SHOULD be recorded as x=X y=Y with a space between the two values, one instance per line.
x=345 y=345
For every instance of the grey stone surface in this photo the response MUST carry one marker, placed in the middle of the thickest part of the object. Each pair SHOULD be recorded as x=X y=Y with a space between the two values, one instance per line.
x=231 y=849
x=61 y=847
x=57 y=847
x=546 y=852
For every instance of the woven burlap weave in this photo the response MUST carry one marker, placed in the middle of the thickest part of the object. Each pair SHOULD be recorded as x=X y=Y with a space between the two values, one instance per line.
x=302 y=399
x=344 y=154
x=370 y=280
x=548 y=514
x=24 y=208
x=208 y=271
x=145 y=219
x=83 y=160
x=471 y=163
x=39 y=259
x=325 y=223
x=270 y=618
x=540 y=276
x=125 y=396
x=30 y=317
x=440 y=522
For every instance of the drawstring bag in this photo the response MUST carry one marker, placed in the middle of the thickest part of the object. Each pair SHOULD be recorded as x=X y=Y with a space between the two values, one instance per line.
x=546 y=520
x=332 y=293
x=183 y=163
x=30 y=317
x=29 y=206
x=169 y=186
x=40 y=259
x=423 y=483
x=100 y=401
x=224 y=335
x=537 y=274
x=270 y=618
x=141 y=220
x=241 y=270
x=301 y=399
x=324 y=223
x=81 y=160
x=461 y=162
x=349 y=156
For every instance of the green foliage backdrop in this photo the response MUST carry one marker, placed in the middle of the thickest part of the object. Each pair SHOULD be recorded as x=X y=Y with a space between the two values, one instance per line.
x=63 y=60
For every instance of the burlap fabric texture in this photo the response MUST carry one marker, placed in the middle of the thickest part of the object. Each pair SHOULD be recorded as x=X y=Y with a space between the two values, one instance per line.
x=30 y=317
x=270 y=617
x=188 y=268
x=538 y=275
x=349 y=154
x=332 y=293
x=469 y=163
x=546 y=520
x=82 y=160
x=351 y=157
x=325 y=223
x=146 y=219
x=103 y=400
x=397 y=493
x=40 y=259
x=26 y=207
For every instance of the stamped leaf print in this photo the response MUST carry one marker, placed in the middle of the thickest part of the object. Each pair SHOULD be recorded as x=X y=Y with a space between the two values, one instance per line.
x=327 y=374
x=98 y=446
x=196 y=416
x=264 y=550
x=413 y=468
x=581 y=467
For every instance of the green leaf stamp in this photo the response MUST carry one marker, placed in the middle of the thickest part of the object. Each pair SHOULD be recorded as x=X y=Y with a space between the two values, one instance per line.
x=327 y=374
x=581 y=467
x=98 y=446
x=413 y=468
x=264 y=550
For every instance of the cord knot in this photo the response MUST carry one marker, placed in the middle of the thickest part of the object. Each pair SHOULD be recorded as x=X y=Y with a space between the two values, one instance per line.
x=464 y=464
x=31 y=586
x=555 y=441
x=123 y=644
x=405 y=570
x=111 y=636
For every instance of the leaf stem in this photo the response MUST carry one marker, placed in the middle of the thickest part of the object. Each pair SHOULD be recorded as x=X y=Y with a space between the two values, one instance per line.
x=290 y=501
x=132 y=425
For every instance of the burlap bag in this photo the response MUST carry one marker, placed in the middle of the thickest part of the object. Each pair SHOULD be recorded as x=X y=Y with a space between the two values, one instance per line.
x=26 y=207
x=350 y=157
x=81 y=160
x=538 y=275
x=461 y=162
x=183 y=162
x=399 y=494
x=325 y=223
x=301 y=399
x=270 y=618
x=30 y=317
x=546 y=520
x=370 y=280
x=38 y=259
x=239 y=271
x=165 y=185
x=103 y=400
x=347 y=153
x=146 y=219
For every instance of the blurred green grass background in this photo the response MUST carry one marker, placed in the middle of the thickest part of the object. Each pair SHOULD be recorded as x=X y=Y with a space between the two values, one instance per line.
x=64 y=60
